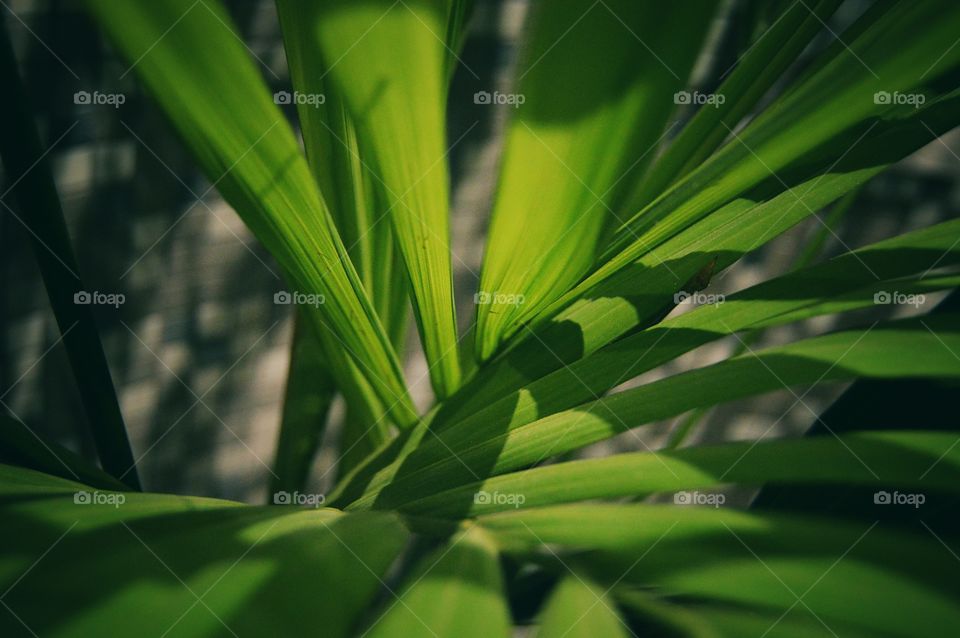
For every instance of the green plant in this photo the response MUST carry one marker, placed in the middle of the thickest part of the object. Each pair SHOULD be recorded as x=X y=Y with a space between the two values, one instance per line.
x=450 y=523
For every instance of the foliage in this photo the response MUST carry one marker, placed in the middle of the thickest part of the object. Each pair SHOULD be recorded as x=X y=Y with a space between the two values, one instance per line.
x=477 y=516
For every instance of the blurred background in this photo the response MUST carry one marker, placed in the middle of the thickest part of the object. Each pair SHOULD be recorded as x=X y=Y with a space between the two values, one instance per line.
x=199 y=351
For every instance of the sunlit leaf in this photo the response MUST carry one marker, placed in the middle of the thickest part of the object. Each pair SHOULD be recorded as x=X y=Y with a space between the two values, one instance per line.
x=386 y=63
x=226 y=116
x=181 y=566
x=455 y=591
x=575 y=146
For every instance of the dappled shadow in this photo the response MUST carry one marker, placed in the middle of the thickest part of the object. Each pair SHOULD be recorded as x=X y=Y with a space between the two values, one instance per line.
x=200 y=329
x=676 y=540
x=257 y=569
x=471 y=449
x=695 y=548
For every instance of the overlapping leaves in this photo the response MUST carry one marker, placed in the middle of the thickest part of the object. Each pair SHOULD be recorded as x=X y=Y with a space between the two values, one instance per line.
x=599 y=236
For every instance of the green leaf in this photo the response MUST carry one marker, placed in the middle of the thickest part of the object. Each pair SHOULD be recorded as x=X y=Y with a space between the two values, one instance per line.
x=354 y=194
x=730 y=620
x=810 y=253
x=845 y=283
x=455 y=591
x=309 y=393
x=814 y=120
x=922 y=460
x=357 y=203
x=833 y=99
x=776 y=583
x=642 y=291
x=619 y=530
x=599 y=308
x=459 y=17
x=225 y=115
x=206 y=567
x=911 y=348
x=386 y=63
x=576 y=153
x=574 y=146
x=352 y=483
x=767 y=561
x=755 y=73
x=433 y=439
x=578 y=608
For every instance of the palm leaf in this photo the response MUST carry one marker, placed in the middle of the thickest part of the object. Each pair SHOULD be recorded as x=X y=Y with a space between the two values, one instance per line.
x=225 y=115
x=385 y=62
x=578 y=607
x=755 y=73
x=554 y=196
x=309 y=393
x=762 y=563
x=605 y=219
x=921 y=460
x=847 y=282
x=455 y=591
x=901 y=349
x=206 y=566
x=806 y=118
